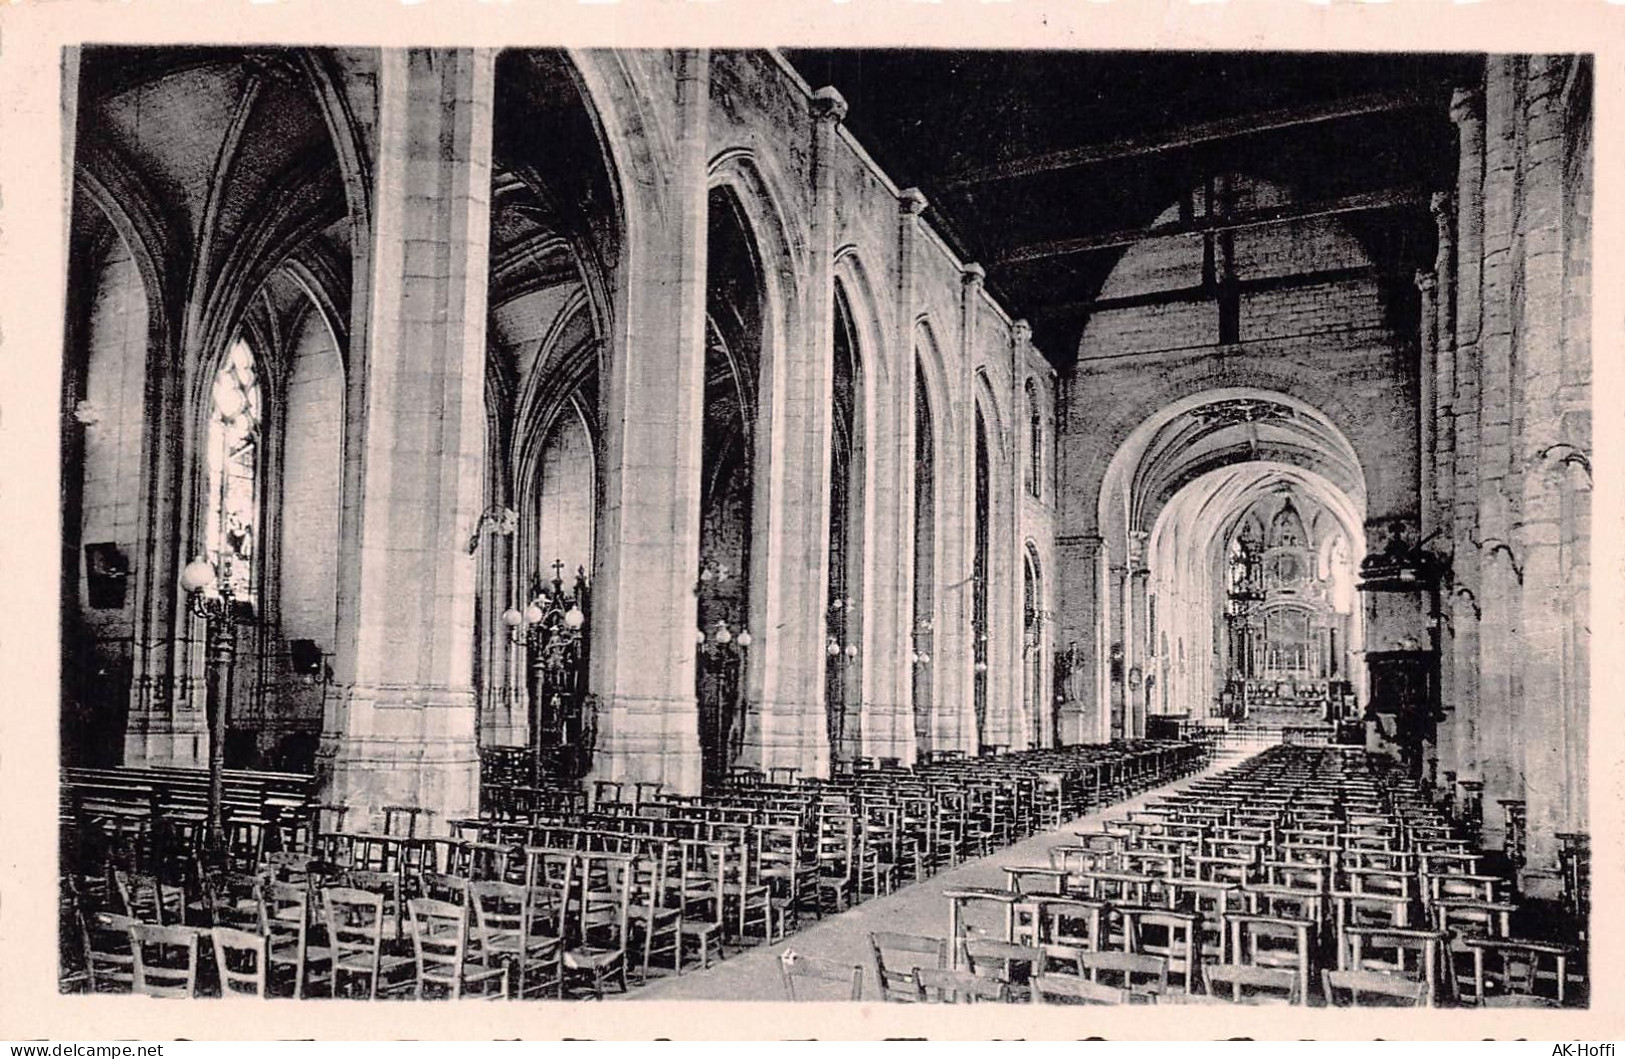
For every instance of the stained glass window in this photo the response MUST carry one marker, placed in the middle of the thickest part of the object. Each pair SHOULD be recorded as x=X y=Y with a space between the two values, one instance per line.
x=231 y=527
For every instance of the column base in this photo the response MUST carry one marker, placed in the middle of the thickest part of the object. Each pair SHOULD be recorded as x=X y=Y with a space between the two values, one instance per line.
x=888 y=731
x=795 y=735
x=167 y=734
x=646 y=740
x=401 y=746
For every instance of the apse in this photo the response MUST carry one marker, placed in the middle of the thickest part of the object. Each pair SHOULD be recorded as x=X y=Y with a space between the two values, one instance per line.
x=1250 y=607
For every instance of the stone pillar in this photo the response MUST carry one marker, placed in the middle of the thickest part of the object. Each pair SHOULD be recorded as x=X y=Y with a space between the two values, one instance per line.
x=400 y=725
x=1444 y=469
x=1116 y=648
x=1076 y=638
x=1501 y=756
x=911 y=203
x=1465 y=608
x=1547 y=711
x=1136 y=656
x=648 y=541
x=1427 y=286
x=958 y=580
x=792 y=659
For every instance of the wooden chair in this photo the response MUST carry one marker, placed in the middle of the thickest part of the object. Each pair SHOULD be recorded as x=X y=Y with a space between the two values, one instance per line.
x=165 y=960
x=835 y=977
x=657 y=910
x=1136 y=974
x=145 y=897
x=1242 y=984
x=703 y=896
x=937 y=985
x=511 y=934
x=1275 y=943
x=837 y=869
x=242 y=959
x=1175 y=937
x=109 y=954
x=355 y=931
x=1387 y=990
x=1411 y=953
x=1515 y=967
x=439 y=949
x=599 y=951
x=1012 y=965
x=895 y=984
x=1068 y=989
x=285 y=920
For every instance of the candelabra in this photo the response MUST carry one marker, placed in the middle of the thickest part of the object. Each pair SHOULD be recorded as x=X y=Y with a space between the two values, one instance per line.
x=552 y=628
x=921 y=655
x=216 y=602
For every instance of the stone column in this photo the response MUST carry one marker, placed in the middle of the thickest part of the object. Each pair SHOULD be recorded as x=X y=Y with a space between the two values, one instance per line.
x=911 y=204
x=959 y=714
x=1444 y=469
x=400 y=725
x=794 y=625
x=1136 y=657
x=1547 y=711
x=648 y=541
x=1427 y=285
x=1077 y=636
x=1465 y=608
x=1501 y=756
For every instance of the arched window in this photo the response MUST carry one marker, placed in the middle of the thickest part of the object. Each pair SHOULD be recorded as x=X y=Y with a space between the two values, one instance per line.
x=1035 y=443
x=231 y=526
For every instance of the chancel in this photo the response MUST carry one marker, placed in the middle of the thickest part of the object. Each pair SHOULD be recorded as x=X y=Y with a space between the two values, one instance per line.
x=861 y=525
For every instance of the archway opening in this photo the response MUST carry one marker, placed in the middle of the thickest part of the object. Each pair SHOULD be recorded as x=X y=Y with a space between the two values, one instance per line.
x=843 y=671
x=734 y=336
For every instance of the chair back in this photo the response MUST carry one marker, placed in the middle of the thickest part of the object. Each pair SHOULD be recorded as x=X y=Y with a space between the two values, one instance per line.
x=165 y=960
x=109 y=956
x=1372 y=989
x=439 y=940
x=940 y=986
x=355 y=929
x=240 y=956
x=892 y=952
x=795 y=968
x=1067 y=989
x=1240 y=984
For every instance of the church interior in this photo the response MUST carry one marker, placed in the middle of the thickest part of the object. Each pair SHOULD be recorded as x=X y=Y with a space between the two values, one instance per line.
x=844 y=524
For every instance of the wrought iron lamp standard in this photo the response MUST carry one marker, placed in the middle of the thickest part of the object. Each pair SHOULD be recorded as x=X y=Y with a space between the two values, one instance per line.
x=552 y=628
x=216 y=602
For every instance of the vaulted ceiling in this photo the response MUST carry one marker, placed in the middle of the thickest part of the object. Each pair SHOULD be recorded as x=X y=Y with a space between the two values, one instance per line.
x=1045 y=166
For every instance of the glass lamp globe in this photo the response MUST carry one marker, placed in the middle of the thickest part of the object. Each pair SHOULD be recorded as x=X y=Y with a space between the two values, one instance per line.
x=832 y=648
x=743 y=639
x=198 y=576
x=574 y=618
x=533 y=614
x=699 y=636
x=851 y=650
x=723 y=636
x=511 y=618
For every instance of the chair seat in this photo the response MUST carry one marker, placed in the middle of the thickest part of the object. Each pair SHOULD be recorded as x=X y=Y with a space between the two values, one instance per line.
x=592 y=959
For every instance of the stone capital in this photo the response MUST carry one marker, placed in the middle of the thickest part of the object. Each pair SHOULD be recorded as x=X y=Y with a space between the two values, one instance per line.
x=912 y=201
x=1426 y=282
x=1021 y=332
x=1441 y=203
x=973 y=275
x=829 y=105
x=1464 y=104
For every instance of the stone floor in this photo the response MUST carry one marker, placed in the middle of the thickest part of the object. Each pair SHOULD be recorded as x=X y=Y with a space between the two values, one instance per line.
x=918 y=908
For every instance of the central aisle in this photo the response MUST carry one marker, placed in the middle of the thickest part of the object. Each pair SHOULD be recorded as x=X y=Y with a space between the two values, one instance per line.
x=918 y=908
